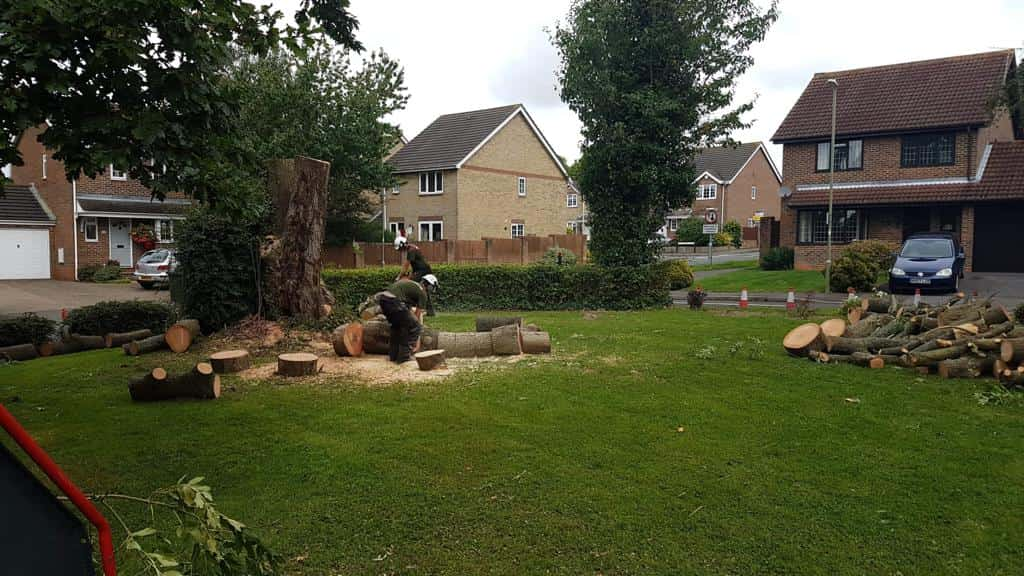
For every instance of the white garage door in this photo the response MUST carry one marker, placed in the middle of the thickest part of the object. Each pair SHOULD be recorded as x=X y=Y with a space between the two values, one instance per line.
x=24 y=253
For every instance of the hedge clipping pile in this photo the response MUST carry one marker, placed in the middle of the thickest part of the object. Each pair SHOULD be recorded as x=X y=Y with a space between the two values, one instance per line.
x=963 y=338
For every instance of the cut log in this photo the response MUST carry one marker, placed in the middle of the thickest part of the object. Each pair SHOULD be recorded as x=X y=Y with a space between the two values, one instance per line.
x=998 y=366
x=1012 y=350
x=120 y=338
x=488 y=323
x=943 y=343
x=996 y=314
x=877 y=305
x=506 y=340
x=996 y=330
x=18 y=352
x=935 y=356
x=929 y=323
x=960 y=314
x=347 y=339
x=966 y=367
x=843 y=345
x=298 y=364
x=200 y=383
x=890 y=329
x=868 y=325
x=145 y=346
x=430 y=359
x=1015 y=332
x=867 y=360
x=465 y=344
x=1012 y=378
x=376 y=337
x=83 y=342
x=986 y=344
x=182 y=334
x=536 y=343
x=230 y=361
x=57 y=347
x=833 y=327
x=854 y=315
x=804 y=338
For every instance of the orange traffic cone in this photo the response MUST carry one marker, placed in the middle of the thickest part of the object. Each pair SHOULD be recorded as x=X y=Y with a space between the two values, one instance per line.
x=743 y=297
x=790 y=300
x=917 y=297
x=63 y=313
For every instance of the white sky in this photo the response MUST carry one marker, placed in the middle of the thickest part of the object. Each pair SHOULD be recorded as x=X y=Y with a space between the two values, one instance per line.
x=463 y=55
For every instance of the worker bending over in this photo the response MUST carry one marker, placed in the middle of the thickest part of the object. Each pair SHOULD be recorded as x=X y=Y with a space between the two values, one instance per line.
x=402 y=304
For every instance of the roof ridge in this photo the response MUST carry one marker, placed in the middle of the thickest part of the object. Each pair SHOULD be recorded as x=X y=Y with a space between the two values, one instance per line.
x=491 y=109
x=1004 y=51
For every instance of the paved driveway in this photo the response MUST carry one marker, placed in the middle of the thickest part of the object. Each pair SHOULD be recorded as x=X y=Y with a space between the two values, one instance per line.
x=47 y=297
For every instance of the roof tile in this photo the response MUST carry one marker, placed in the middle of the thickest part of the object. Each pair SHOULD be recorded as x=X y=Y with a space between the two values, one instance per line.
x=449 y=139
x=21 y=204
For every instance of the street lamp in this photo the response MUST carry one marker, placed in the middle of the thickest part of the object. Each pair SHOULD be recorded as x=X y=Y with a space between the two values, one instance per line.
x=831 y=182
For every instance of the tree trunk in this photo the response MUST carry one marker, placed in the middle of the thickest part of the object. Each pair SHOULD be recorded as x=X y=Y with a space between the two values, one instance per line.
x=833 y=327
x=300 y=289
x=376 y=337
x=465 y=344
x=936 y=356
x=117 y=339
x=506 y=340
x=841 y=345
x=298 y=364
x=347 y=339
x=996 y=314
x=966 y=367
x=1012 y=350
x=201 y=382
x=18 y=352
x=151 y=344
x=802 y=339
x=56 y=347
x=536 y=343
x=876 y=305
x=868 y=325
x=229 y=361
x=182 y=334
x=83 y=342
x=430 y=359
x=488 y=323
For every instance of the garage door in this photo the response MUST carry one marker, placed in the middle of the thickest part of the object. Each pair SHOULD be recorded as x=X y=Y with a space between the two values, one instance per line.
x=996 y=229
x=24 y=253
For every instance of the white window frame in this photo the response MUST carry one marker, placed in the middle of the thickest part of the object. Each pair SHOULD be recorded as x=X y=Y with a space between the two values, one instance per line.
x=521 y=186
x=44 y=166
x=395 y=226
x=113 y=176
x=572 y=200
x=437 y=176
x=575 y=226
x=430 y=227
x=156 y=230
x=396 y=189
x=705 y=189
x=753 y=192
x=751 y=223
x=95 y=226
x=522 y=229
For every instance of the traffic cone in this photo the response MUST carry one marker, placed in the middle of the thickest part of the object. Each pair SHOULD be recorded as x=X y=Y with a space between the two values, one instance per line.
x=917 y=297
x=743 y=297
x=790 y=300
x=63 y=313
x=851 y=294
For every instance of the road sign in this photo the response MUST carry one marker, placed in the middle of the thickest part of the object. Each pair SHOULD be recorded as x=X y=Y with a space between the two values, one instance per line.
x=711 y=229
x=710 y=217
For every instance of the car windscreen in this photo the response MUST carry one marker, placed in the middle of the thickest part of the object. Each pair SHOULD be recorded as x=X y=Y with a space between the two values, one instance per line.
x=927 y=248
x=154 y=256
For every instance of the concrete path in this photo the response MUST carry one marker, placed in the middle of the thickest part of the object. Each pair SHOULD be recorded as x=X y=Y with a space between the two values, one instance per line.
x=48 y=297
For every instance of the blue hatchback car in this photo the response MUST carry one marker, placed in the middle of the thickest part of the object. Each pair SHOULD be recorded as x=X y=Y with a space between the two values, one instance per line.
x=932 y=261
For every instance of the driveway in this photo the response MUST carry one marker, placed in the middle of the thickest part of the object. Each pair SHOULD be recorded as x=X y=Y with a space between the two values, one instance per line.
x=48 y=297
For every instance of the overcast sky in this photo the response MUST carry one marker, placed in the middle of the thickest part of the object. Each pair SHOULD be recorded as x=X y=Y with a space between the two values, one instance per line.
x=469 y=54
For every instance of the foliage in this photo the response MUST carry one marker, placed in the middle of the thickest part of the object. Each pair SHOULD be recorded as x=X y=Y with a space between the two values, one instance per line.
x=85 y=273
x=695 y=298
x=1011 y=99
x=556 y=256
x=680 y=275
x=137 y=84
x=735 y=232
x=723 y=239
x=691 y=230
x=106 y=273
x=343 y=231
x=651 y=82
x=752 y=348
x=706 y=352
x=1018 y=314
x=217 y=280
x=201 y=539
x=861 y=264
x=849 y=304
x=534 y=287
x=120 y=316
x=27 y=328
x=779 y=258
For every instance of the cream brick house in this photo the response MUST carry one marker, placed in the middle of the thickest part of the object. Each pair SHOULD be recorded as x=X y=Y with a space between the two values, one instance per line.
x=481 y=174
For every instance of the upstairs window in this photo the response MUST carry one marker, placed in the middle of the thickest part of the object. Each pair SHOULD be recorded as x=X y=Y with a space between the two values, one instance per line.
x=116 y=174
x=522 y=186
x=707 y=192
x=922 y=150
x=44 y=166
x=753 y=192
x=849 y=155
x=431 y=182
x=572 y=201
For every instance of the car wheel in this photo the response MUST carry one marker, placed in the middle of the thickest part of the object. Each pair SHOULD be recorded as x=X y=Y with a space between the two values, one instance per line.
x=146 y=285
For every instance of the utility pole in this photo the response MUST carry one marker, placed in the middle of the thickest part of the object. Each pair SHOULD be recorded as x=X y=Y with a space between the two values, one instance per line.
x=383 y=222
x=831 y=182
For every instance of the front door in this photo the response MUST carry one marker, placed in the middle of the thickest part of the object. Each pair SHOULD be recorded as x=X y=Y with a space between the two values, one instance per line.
x=121 y=241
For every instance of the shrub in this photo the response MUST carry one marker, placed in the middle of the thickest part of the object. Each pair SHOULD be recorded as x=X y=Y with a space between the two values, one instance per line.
x=878 y=252
x=86 y=273
x=1018 y=314
x=107 y=273
x=691 y=230
x=25 y=329
x=124 y=316
x=780 y=258
x=680 y=275
x=861 y=264
x=559 y=257
x=723 y=239
x=534 y=287
x=735 y=232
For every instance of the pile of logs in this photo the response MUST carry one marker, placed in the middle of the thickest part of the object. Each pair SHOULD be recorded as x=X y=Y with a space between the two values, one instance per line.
x=179 y=337
x=200 y=382
x=963 y=338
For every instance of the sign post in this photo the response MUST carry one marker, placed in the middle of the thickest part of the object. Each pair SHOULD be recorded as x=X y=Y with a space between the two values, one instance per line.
x=710 y=228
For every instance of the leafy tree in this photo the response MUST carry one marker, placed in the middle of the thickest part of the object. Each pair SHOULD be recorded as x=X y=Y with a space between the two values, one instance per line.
x=652 y=81
x=135 y=83
x=735 y=232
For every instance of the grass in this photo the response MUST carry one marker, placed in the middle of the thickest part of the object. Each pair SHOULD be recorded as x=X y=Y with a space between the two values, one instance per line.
x=731 y=265
x=622 y=454
x=757 y=280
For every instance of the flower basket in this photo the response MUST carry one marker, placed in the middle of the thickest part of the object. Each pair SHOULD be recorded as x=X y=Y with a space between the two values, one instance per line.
x=144 y=236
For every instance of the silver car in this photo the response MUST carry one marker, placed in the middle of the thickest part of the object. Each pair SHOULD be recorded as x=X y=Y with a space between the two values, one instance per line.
x=154 y=268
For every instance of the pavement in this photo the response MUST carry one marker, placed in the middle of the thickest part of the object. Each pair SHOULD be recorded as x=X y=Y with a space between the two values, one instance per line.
x=48 y=297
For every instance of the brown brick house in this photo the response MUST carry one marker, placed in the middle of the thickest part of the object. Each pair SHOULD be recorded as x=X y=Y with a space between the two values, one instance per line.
x=918 y=148
x=90 y=219
x=481 y=174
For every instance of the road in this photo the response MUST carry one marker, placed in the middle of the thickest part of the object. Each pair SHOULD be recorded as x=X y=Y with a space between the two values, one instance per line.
x=700 y=257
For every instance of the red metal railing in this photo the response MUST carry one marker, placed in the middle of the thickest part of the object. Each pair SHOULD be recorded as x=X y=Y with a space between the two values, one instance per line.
x=48 y=466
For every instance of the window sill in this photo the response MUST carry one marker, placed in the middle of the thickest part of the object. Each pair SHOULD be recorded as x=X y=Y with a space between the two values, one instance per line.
x=431 y=193
x=92 y=241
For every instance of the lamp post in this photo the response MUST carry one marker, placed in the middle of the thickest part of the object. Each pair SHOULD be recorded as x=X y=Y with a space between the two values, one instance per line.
x=831 y=182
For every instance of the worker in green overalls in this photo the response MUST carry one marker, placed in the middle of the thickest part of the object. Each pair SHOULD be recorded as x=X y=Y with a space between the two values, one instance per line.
x=416 y=267
x=402 y=305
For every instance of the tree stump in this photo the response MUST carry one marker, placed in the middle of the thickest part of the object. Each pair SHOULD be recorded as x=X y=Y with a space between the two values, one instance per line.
x=488 y=323
x=1012 y=350
x=200 y=383
x=181 y=335
x=506 y=340
x=298 y=364
x=18 y=352
x=151 y=344
x=230 y=361
x=834 y=327
x=802 y=339
x=430 y=359
x=347 y=339
x=120 y=338
x=536 y=342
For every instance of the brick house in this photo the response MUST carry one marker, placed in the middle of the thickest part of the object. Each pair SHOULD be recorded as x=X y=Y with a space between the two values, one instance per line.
x=918 y=149
x=481 y=174
x=88 y=221
x=738 y=182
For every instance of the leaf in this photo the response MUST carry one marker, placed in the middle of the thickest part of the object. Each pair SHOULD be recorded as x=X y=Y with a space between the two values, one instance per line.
x=144 y=532
x=164 y=561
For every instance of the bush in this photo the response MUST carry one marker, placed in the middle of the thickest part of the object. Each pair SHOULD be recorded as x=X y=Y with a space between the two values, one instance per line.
x=107 y=273
x=780 y=258
x=735 y=232
x=1018 y=314
x=861 y=264
x=559 y=257
x=534 y=287
x=86 y=273
x=125 y=316
x=695 y=298
x=680 y=275
x=723 y=239
x=25 y=329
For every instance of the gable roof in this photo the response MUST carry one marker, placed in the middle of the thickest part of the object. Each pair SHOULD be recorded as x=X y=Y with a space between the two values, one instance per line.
x=452 y=139
x=929 y=94
x=21 y=204
x=723 y=163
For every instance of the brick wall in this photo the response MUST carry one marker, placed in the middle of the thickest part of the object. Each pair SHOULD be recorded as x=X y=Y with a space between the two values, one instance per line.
x=886 y=224
x=967 y=236
x=739 y=205
x=410 y=207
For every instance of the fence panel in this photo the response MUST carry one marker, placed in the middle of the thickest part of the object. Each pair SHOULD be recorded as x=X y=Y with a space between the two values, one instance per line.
x=487 y=251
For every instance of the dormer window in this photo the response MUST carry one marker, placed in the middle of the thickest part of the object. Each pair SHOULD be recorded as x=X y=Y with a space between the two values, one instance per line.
x=707 y=192
x=849 y=155
x=116 y=174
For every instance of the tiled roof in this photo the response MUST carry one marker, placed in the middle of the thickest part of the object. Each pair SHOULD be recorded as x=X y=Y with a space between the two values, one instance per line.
x=724 y=162
x=941 y=93
x=1004 y=172
x=449 y=139
x=22 y=204
x=121 y=205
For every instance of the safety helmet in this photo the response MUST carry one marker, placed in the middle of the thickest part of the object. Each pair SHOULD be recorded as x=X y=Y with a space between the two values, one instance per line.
x=400 y=242
x=430 y=279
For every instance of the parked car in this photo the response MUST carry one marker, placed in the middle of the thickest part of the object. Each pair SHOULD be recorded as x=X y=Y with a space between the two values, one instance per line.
x=932 y=261
x=154 y=268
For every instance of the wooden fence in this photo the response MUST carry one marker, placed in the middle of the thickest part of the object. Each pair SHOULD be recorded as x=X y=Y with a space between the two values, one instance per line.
x=486 y=251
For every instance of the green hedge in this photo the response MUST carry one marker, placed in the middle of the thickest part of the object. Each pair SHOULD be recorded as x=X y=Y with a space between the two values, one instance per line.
x=27 y=328
x=536 y=287
x=124 y=316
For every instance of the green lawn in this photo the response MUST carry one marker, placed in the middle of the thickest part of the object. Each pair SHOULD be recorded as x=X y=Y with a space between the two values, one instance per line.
x=621 y=454
x=730 y=265
x=757 y=280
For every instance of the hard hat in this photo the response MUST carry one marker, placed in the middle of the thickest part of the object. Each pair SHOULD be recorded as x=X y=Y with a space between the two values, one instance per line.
x=400 y=242
x=430 y=279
